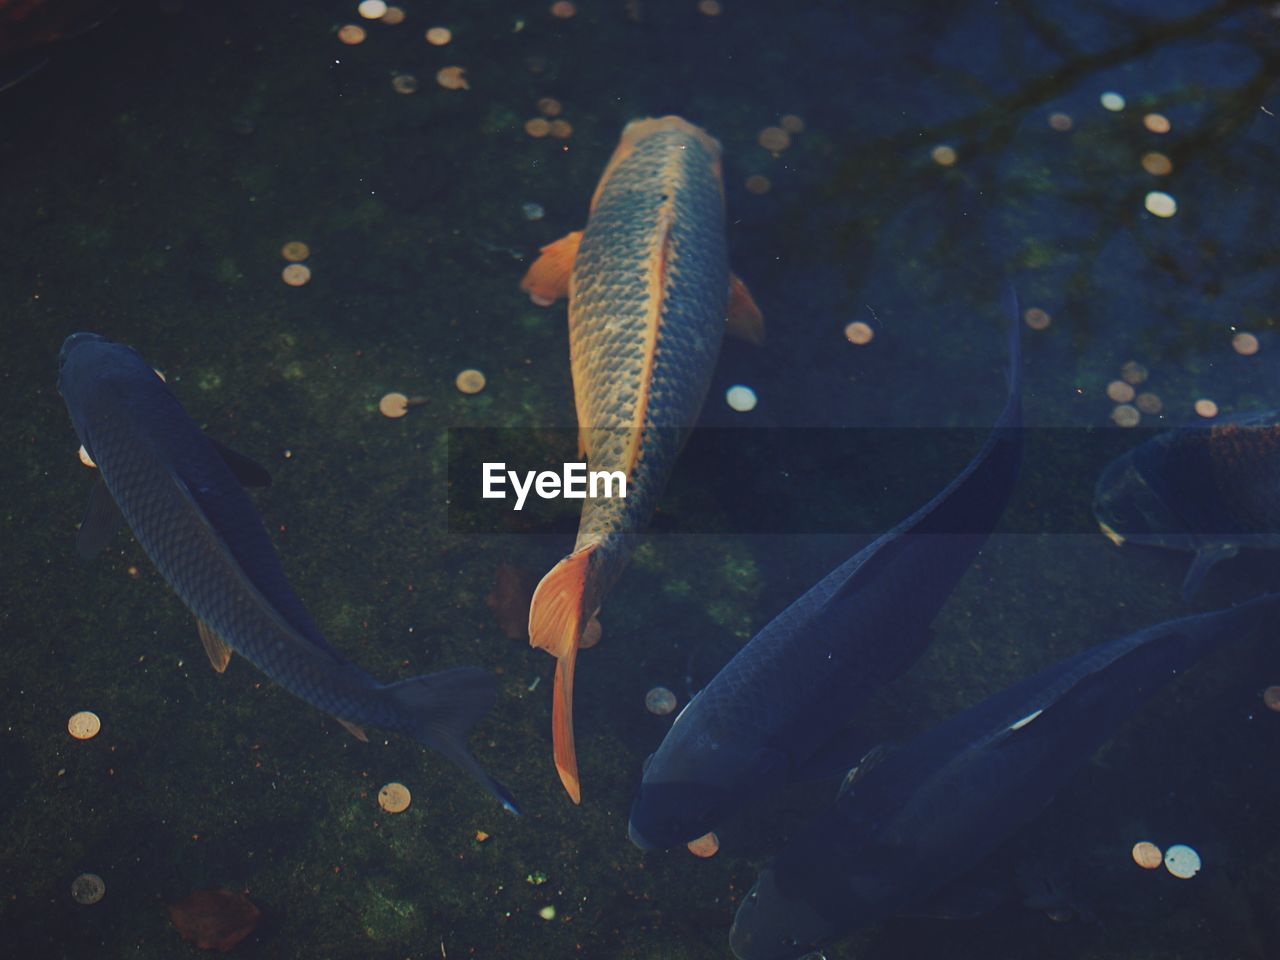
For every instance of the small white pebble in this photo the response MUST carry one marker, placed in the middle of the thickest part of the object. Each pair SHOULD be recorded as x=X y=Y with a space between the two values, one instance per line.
x=1160 y=204
x=660 y=701
x=1182 y=861
x=1206 y=408
x=741 y=398
x=372 y=9
x=548 y=912
x=1112 y=101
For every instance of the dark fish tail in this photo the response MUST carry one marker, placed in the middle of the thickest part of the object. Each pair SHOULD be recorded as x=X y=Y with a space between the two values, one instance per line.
x=439 y=710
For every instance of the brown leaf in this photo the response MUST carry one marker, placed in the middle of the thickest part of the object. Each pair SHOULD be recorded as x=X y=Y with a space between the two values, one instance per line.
x=215 y=919
x=509 y=600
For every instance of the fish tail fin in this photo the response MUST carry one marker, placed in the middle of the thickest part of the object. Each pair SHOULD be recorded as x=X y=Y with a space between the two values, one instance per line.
x=565 y=756
x=1206 y=556
x=556 y=621
x=441 y=708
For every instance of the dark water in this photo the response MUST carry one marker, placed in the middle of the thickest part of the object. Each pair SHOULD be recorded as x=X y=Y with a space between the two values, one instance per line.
x=150 y=174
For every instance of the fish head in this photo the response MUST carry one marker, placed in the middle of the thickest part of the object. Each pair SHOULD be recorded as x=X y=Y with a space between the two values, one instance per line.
x=637 y=131
x=1128 y=508
x=91 y=368
x=694 y=782
x=658 y=133
x=73 y=341
x=77 y=361
x=772 y=925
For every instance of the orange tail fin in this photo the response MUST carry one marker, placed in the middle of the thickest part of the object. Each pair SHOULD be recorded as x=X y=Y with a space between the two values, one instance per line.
x=562 y=727
x=556 y=621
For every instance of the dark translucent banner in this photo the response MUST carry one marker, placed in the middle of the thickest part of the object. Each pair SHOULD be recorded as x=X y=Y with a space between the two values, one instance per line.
x=1217 y=481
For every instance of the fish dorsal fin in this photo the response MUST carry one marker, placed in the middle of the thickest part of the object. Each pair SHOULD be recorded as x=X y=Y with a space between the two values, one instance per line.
x=101 y=520
x=248 y=472
x=866 y=764
x=354 y=730
x=547 y=279
x=743 y=318
x=1205 y=557
x=215 y=648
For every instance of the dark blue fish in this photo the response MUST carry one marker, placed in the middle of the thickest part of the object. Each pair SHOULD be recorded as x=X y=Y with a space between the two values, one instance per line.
x=1210 y=489
x=925 y=815
x=178 y=492
x=766 y=718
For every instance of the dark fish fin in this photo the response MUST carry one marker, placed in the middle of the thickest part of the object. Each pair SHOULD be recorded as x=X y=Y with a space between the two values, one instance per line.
x=215 y=648
x=1006 y=735
x=835 y=758
x=354 y=730
x=249 y=473
x=867 y=763
x=743 y=318
x=1205 y=558
x=101 y=520
x=959 y=901
x=439 y=709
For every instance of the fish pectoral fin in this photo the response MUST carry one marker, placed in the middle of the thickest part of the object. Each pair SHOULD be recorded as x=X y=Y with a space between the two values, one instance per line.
x=215 y=648
x=248 y=472
x=742 y=317
x=547 y=279
x=101 y=520
x=354 y=730
x=1205 y=558
x=863 y=766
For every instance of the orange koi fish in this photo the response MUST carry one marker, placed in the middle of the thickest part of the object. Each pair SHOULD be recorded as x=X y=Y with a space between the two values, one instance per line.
x=649 y=294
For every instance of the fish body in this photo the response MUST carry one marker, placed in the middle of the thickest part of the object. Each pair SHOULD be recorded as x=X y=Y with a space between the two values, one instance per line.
x=174 y=488
x=771 y=715
x=648 y=284
x=926 y=814
x=1209 y=489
